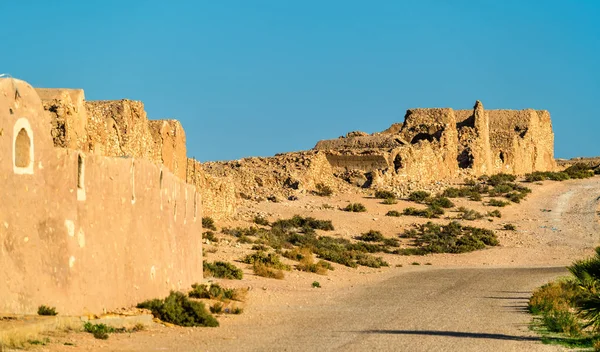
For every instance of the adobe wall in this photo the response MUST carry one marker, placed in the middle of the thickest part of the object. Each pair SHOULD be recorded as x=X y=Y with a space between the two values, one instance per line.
x=432 y=152
x=521 y=141
x=169 y=140
x=363 y=162
x=441 y=143
x=84 y=232
x=121 y=128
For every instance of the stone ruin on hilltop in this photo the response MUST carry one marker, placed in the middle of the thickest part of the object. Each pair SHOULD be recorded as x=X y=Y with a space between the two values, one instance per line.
x=431 y=145
x=438 y=144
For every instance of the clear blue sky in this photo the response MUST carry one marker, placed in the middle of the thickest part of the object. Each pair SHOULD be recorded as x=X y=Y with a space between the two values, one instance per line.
x=254 y=78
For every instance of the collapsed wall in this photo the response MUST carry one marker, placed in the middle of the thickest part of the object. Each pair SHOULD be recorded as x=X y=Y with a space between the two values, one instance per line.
x=275 y=178
x=439 y=144
x=84 y=232
x=121 y=128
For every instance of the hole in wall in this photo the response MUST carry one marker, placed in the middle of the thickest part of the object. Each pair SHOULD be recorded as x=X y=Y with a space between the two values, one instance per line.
x=501 y=156
x=160 y=180
x=10 y=111
x=80 y=173
x=22 y=149
x=398 y=163
x=465 y=159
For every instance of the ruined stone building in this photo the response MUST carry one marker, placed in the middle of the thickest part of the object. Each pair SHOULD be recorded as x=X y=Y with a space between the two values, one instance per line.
x=437 y=144
x=95 y=213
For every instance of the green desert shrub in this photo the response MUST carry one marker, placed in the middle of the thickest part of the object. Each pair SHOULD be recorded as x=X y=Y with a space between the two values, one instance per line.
x=299 y=222
x=497 y=203
x=500 y=178
x=323 y=190
x=509 y=227
x=419 y=196
x=215 y=291
x=389 y=201
x=554 y=296
x=494 y=213
x=271 y=260
x=561 y=321
x=450 y=238
x=429 y=212
x=100 y=331
x=259 y=220
x=179 y=310
x=385 y=194
x=209 y=235
x=393 y=213
x=355 y=208
x=469 y=214
x=268 y=272
x=46 y=310
x=371 y=236
x=579 y=171
x=208 y=223
x=442 y=202
x=222 y=270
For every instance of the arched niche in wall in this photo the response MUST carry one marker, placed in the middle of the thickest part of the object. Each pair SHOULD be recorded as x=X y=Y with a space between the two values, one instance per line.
x=22 y=147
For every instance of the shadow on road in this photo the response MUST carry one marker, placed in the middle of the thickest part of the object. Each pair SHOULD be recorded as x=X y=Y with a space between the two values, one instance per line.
x=471 y=335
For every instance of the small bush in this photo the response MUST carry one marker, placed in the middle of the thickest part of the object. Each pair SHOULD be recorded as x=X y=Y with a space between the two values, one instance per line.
x=469 y=214
x=371 y=236
x=307 y=264
x=385 y=195
x=271 y=260
x=450 y=238
x=494 y=213
x=208 y=223
x=215 y=291
x=500 y=178
x=355 y=208
x=316 y=284
x=554 y=296
x=389 y=201
x=209 y=235
x=441 y=202
x=497 y=203
x=509 y=227
x=179 y=310
x=561 y=321
x=259 y=220
x=265 y=271
x=428 y=213
x=222 y=270
x=393 y=213
x=100 y=331
x=217 y=308
x=579 y=171
x=299 y=222
x=419 y=196
x=323 y=190
x=45 y=310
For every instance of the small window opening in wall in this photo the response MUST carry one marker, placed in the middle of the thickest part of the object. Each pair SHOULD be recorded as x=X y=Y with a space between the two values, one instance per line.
x=10 y=110
x=501 y=156
x=80 y=167
x=161 y=179
x=22 y=149
x=80 y=178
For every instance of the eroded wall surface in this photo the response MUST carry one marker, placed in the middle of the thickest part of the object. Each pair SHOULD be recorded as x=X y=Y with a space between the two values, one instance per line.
x=85 y=232
x=441 y=143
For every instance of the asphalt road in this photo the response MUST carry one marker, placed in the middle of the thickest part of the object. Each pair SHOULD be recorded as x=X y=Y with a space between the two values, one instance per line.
x=424 y=310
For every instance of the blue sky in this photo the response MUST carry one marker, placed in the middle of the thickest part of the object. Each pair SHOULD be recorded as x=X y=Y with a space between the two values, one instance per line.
x=255 y=78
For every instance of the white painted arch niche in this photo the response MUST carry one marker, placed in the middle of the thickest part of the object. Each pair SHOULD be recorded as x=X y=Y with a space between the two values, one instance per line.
x=23 y=147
